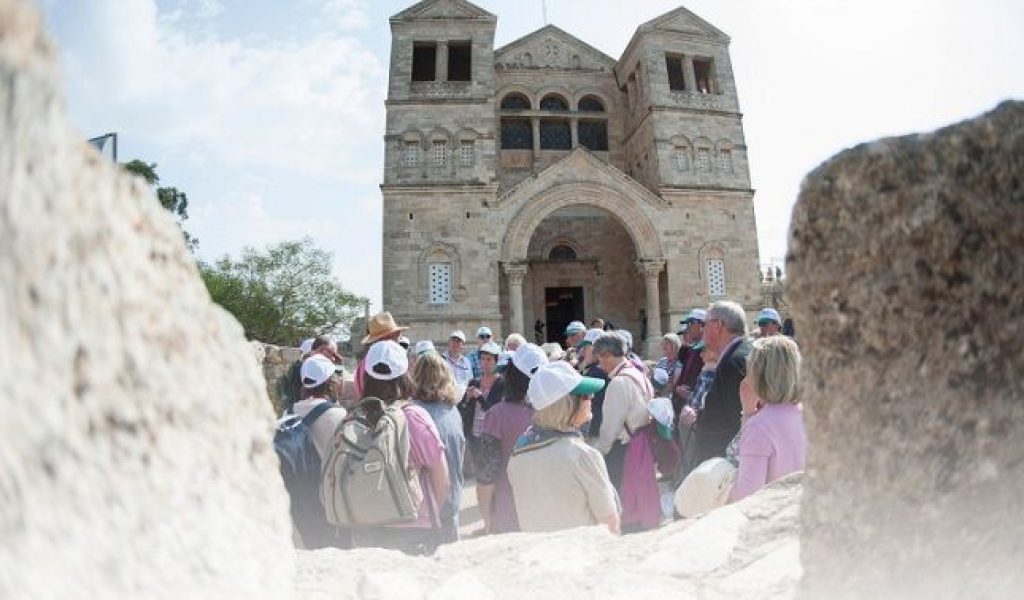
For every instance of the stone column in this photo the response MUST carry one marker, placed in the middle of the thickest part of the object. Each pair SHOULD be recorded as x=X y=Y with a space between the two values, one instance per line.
x=575 y=132
x=535 y=123
x=441 y=67
x=688 y=75
x=650 y=269
x=515 y=271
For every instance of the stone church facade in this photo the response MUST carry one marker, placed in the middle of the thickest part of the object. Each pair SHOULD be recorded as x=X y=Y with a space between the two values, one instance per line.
x=546 y=181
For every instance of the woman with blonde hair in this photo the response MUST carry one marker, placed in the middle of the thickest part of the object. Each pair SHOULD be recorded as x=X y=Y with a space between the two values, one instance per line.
x=772 y=440
x=435 y=393
x=558 y=480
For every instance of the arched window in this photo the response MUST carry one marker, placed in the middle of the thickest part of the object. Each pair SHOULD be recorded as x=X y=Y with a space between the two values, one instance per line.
x=562 y=252
x=554 y=102
x=555 y=134
x=516 y=134
x=591 y=104
x=593 y=135
x=515 y=102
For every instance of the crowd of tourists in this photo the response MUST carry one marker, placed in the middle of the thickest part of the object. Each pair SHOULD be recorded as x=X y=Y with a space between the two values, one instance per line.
x=554 y=436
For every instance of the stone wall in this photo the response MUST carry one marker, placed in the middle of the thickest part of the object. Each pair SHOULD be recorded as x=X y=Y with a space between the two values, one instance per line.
x=274 y=362
x=137 y=458
x=905 y=277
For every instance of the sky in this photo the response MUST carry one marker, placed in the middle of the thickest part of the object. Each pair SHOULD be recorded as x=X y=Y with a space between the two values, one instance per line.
x=269 y=114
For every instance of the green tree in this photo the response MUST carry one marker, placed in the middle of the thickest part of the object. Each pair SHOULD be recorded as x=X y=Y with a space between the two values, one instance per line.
x=171 y=198
x=282 y=294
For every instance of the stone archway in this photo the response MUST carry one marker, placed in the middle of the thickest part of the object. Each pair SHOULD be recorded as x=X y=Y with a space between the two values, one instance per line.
x=617 y=204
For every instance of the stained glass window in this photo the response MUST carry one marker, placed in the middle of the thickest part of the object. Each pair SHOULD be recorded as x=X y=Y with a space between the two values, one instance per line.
x=440 y=284
x=515 y=102
x=593 y=135
x=555 y=135
x=591 y=104
x=725 y=161
x=716 y=277
x=516 y=134
x=440 y=153
x=681 y=160
x=703 y=160
x=553 y=102
x=467 y=152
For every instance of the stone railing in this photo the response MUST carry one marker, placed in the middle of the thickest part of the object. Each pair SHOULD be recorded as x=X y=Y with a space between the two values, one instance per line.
x=702 y=101
x=441 y=89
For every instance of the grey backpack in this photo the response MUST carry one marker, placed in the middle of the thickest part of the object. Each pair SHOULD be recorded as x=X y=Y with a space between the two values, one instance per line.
x=366 y=479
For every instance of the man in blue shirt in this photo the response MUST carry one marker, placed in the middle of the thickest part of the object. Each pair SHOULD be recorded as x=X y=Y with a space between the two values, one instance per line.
x=483 y=336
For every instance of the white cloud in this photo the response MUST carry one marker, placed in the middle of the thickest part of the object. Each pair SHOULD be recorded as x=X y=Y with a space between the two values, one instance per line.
x=306 y=106
x=346 y=14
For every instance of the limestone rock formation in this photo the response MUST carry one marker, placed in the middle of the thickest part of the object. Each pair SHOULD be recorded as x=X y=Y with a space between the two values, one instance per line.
x=907 y=285
x=136 y=457
x=746 y=550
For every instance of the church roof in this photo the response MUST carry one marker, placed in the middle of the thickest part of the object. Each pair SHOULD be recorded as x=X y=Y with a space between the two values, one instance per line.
x=443 y=9
x=550 y=46
x=682 y=20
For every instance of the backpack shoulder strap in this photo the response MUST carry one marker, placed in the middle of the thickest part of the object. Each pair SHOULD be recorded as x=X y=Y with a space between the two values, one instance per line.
x=315 y=414
x=637 y=378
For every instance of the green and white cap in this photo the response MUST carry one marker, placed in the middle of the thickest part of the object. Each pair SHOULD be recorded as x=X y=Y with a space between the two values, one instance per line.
x=555 y=380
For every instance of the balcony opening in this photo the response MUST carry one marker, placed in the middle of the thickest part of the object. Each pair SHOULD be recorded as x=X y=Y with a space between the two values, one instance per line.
x=674 y=64
x=424 y=61
x=460 y=61
x=703 y=71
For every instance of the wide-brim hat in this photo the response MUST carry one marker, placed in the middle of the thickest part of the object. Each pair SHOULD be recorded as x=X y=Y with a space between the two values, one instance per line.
x=380 y=326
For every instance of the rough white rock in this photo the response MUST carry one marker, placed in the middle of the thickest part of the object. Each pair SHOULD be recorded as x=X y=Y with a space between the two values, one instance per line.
x=747 y=550
x=136 y=456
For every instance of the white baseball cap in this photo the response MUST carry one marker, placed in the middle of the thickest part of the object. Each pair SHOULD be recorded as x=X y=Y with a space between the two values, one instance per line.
x=661 y=410
x=555 y=380
x=424 y=346
x=627 y=337
x=528 y=358
x=306 y=346
x=316 y=370
x=503 y=358
x=458 y=334
x=490 y=348
x=705 y=488
x=575 y=327
x=484 y=331
x=660 y=376
x=590 y=336
x=386 y=360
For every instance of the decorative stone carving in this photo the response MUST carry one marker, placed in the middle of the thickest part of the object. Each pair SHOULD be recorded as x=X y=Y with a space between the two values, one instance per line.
x=441 y=89
x=516 y=272
x=650 y=267
x=700 y=101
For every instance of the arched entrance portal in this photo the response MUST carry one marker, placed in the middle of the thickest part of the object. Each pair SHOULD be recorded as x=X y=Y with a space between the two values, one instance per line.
x=580 y=251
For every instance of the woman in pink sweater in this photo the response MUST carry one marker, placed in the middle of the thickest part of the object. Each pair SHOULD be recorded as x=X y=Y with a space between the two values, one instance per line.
x=773 y=442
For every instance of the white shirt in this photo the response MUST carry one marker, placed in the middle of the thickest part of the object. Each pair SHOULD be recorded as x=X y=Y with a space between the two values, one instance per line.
x=324 y=427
